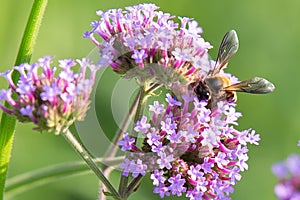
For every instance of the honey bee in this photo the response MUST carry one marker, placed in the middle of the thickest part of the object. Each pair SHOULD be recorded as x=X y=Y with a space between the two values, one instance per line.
x=216 y=87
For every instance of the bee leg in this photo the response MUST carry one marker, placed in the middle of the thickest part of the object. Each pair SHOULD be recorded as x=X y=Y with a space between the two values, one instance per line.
x=231 y=96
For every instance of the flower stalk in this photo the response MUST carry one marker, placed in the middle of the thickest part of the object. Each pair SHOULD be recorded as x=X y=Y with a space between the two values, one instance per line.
x=142 y=99
x=112 y=150
x=132 y=111
x=7 y=124
x=42 y=176
x=90 y=162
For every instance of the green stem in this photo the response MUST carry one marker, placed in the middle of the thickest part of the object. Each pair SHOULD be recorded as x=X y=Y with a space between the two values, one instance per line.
x=90 y=162
x=112 y=150
x=114 y=146
x=8 y=123
x=131 y=187
x=142 y=99
x=32 y=179
x=152 y=88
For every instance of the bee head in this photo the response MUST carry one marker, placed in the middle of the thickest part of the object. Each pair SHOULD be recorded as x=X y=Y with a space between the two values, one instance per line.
x=202 y=91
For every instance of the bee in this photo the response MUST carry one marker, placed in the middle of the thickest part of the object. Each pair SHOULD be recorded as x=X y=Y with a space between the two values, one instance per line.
x=216 y=87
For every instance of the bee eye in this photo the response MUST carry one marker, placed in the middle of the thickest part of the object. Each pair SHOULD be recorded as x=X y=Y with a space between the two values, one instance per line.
x=202 y=92
x=207 y=96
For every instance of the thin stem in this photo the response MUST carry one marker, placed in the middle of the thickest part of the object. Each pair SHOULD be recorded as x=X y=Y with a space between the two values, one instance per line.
x=114 y=146
x=112 y=150
x=133 y=184
x=29 y=180
x=152 y=88
x=136 y=109
x=90 y=162
x=102 y=187
x=146 y=92
x=8 y=123
x=139 y=112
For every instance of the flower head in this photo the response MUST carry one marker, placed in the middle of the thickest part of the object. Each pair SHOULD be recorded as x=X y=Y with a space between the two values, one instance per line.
x=147 y=44
x=193 y=150
x=50 y=98
x=288 y=174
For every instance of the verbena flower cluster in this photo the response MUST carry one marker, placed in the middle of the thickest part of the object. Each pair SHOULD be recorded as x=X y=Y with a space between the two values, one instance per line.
x=50 y=98
x=288 y=174
x=189 y=149
x=149 y=45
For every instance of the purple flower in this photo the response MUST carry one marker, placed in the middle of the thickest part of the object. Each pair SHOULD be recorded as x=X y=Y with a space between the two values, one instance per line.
x=192 y=150
x=190 y=134
x=194 y=194
x=210 y=138
x=207 y=165
x=176 y=186
x=253 y=138
x=25 y=86
x=53 y=102
x=158 y=147
x=194 y=172
x=182 y=54
x=156 y=107
x=221 y=160
x=232 y=115
x=139 y=56
x=293 y=164
x=288 y=174
x=127 y=166
x=242 y=162
x=157 y=177
x=126 y=143
x=142 y=37
x=284 y=191
x=174 y=137
x=66 y=64
x=280 y=170
x=234 y=174
x=139 y=168
x=6 y=96
x=136 y=168
x=142 y=126
x=164 y=160
x=153 y=137
x=204 y=116
x=162 y=190
x=168 y=126
x=27 y=111
x=172 y=101
x=7 y=76
x=51 y=93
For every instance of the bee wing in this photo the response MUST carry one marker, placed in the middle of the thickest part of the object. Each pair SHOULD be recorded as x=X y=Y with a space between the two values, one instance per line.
x=228 y=48
x=254 y=85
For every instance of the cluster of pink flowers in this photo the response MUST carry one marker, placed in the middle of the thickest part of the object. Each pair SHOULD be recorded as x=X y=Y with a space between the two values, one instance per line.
x=189 y=148
x=288 y=174
x=150 y=44
x=50 y=99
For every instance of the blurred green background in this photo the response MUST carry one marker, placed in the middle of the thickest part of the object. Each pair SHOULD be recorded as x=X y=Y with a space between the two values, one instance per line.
x=269 y=47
